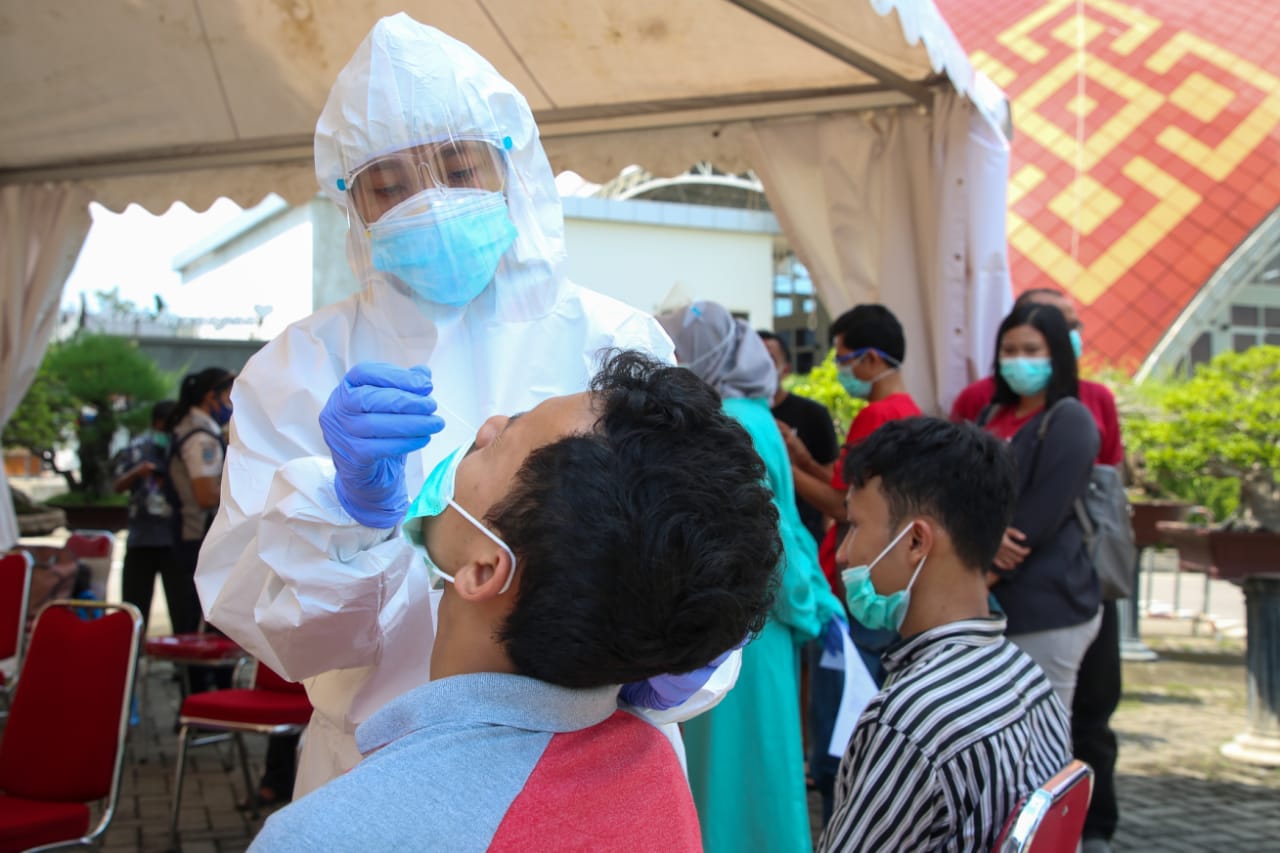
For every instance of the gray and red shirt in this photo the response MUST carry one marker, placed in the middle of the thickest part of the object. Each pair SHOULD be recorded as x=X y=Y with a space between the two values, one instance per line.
x=498 y=762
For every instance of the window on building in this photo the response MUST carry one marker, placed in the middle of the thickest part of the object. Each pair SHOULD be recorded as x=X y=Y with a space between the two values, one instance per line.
x=798 y=316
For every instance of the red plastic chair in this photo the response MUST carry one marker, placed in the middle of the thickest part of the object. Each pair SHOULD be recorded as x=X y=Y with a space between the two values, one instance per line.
x=1051 y=819
x=272 y=706
x=93 y=548
x=15 y=592
x=63 y=745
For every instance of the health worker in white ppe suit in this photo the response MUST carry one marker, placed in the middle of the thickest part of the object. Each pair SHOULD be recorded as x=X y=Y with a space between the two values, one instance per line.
x=456 y=232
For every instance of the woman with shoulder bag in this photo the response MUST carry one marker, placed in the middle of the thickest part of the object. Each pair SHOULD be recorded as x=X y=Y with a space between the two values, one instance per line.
x=1042 y=577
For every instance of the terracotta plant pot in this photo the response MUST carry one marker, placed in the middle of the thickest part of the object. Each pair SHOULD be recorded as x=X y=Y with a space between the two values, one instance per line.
x=1147 y=513
x=1238 y=554
x=97 y=517
x=1190 y=541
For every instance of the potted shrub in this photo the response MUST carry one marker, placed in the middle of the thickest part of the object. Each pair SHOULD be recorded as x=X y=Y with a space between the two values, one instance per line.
x=87 y=388
x=1215 y=439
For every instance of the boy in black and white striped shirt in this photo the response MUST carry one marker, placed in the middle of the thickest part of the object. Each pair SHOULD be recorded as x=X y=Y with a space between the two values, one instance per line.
x=966 y=724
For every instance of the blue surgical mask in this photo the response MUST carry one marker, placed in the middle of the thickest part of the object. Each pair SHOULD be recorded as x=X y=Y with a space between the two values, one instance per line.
x=870 y=608
x=160 y=439
x=437 y=494
x=1077 y=345
x=853 y=386
x=1026 y=376
x=444 y=244
x=222 y=414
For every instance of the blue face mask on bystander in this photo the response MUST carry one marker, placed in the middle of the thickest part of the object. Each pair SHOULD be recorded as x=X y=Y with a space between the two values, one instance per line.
x=870 y=608
x=1026 y=376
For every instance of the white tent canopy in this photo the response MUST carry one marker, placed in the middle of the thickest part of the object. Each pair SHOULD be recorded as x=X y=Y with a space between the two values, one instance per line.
x=858 y=115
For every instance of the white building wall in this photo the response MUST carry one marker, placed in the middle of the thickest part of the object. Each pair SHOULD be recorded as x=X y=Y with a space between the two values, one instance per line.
x=262 y=268
x=651 y=266
x=653 y=255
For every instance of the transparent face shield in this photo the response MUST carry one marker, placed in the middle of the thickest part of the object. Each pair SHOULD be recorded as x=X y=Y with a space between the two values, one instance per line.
x=384 y=182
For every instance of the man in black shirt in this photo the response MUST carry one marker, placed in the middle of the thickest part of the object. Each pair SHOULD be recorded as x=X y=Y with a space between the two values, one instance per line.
x=811 y=422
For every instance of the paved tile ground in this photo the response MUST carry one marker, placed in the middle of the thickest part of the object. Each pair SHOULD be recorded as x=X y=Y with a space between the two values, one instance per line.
x=1177 y=792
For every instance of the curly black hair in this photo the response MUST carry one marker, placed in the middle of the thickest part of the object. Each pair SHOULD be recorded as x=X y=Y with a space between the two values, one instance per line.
x=647 y=546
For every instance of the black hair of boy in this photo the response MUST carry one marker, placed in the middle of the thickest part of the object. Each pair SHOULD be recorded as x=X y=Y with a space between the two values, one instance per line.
x=1050 y=322
x=873 y=326
x=766 y=335
x=957 y=474
x=648 y=546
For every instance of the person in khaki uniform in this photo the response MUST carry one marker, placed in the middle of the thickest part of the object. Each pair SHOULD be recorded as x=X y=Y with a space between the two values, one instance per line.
x=195 y=474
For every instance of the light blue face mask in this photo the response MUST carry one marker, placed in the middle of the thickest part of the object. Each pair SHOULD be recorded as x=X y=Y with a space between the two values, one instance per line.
x=437 y=494
x=1026 y=376
x=444 y=244
x=870 y=608
x=1077 y=344
x=853 y=386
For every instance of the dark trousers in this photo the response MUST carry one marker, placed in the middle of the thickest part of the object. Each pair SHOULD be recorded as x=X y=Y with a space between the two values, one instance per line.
x=187 y=553
x=1097 y=695
x=142 y=565
x=184 y=603
x=281 y=766
x=825 y=689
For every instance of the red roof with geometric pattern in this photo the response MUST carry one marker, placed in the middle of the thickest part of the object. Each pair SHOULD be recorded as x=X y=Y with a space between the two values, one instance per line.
x=1139 y=162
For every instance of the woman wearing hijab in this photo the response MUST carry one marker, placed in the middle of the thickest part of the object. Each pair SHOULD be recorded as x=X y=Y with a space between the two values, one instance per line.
x=746 y=761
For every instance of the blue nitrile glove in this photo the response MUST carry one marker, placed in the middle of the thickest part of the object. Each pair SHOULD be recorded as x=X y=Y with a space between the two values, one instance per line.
x=378 y=414
x=667 y=691
x=831 y=635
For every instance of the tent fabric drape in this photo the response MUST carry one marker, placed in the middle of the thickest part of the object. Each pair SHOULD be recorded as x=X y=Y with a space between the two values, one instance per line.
x=903 y=208
x=41 y=230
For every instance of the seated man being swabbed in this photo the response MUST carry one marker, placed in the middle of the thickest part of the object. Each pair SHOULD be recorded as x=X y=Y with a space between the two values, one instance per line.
x=597 y=539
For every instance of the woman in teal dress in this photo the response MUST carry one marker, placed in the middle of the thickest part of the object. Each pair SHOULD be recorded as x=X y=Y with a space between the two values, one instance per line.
x=745 y=757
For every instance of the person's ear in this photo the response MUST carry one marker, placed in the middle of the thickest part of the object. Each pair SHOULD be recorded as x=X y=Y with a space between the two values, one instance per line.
x=922 y=539
x=485 y=575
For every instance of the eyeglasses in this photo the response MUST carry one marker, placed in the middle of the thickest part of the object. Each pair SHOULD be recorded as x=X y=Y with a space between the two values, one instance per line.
x=850 y=357
x=384 y=182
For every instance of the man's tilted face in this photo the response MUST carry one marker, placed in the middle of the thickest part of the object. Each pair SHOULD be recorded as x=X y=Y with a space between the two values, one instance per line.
x=488 y=470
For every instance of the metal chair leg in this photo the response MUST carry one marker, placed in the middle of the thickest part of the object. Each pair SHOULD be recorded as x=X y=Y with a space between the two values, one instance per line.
x=251 y=790
x=174 y=841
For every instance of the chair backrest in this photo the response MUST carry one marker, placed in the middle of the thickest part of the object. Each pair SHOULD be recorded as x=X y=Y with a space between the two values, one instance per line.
x=15 y=590
x=65 y=737
x=53 y=576
x=93 y=548
x=266 y=678
x=1051 y=819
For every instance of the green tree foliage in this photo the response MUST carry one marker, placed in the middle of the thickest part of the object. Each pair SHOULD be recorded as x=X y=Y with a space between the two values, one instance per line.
x=45 y=418
x=103 y=382
x=1213 y=439
x=820 y=384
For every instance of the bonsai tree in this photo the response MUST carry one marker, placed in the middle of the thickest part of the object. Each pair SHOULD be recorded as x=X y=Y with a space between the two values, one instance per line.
x=97 y=383
x=45 y=418
x=1214 y=439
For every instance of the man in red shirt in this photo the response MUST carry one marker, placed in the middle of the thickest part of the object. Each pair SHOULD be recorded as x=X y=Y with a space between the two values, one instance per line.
x=870 y=348
x=1098 y=680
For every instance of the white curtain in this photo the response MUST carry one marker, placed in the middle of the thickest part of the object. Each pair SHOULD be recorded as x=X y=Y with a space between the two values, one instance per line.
x=905 y=208
x=41 y=231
